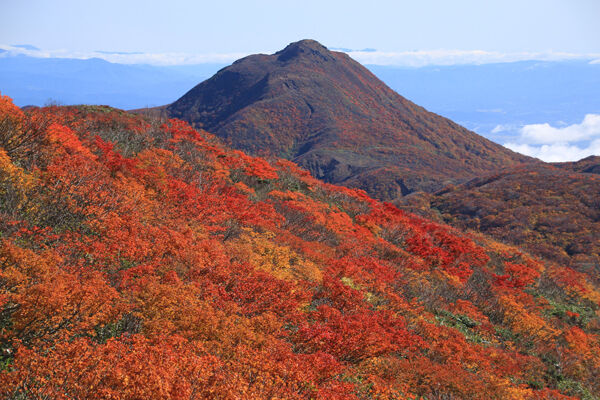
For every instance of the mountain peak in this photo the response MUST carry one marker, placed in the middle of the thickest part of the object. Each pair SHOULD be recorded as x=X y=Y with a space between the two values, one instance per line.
x=306 y=48
x=332 y=116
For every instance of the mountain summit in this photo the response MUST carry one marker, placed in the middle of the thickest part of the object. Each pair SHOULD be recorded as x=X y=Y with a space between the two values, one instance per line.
x=328 y=113
x=306 y=49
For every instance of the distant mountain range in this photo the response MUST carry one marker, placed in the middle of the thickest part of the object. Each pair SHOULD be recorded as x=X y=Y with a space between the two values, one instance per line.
x=37 y=81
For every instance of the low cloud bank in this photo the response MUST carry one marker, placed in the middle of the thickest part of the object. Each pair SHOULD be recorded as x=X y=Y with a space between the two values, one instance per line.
x=164 y=59
x=555 y=144
x=417 y=58
x=420 y=58
x=545 y=134
x=557 y=152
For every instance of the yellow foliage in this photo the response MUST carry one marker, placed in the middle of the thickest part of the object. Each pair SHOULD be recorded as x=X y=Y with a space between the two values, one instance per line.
x=523 y=322
x=515 y=393
x=12 y=174
x=15 y=184
x=262 y=253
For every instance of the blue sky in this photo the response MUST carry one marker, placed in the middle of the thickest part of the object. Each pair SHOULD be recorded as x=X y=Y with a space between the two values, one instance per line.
x=243 y=27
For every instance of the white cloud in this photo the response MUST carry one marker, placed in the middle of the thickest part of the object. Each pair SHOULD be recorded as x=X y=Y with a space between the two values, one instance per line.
x=546 y=134
x=503 y=128
x=419 y=58
x=568 y=143
x=595 y=61
x=491 y=110
x=171 y=58
x=128 y=58
x=416 y=58
x=557 y=152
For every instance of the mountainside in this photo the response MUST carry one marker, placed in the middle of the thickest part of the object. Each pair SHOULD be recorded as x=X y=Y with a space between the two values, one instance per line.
x=552 y=210
x=143 y=260
x=590 y=165
x=332 y=116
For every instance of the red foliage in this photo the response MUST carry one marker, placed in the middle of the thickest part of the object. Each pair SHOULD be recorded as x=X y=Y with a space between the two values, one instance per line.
x=143 y=262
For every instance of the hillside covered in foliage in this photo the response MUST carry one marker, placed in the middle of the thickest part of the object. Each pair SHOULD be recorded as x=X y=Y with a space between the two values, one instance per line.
x=141 y=259
x=552 y=211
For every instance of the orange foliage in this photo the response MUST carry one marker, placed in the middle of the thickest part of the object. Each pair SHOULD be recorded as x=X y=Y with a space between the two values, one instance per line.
x=146 y=260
